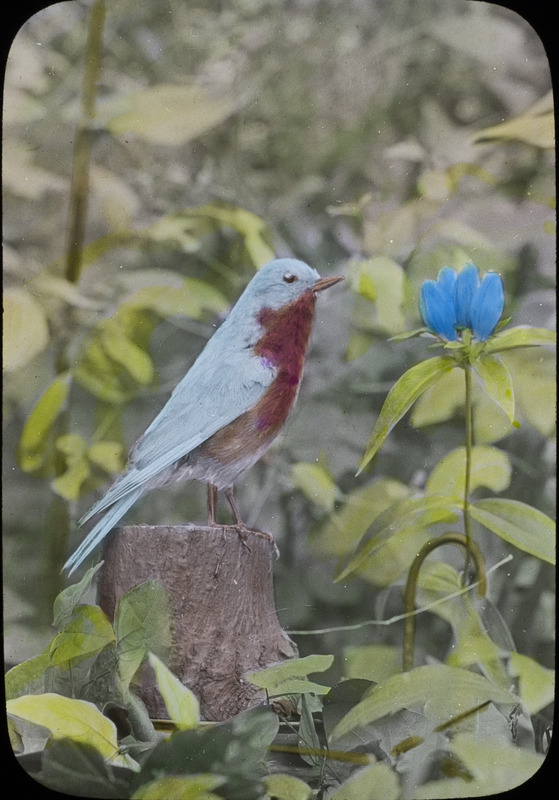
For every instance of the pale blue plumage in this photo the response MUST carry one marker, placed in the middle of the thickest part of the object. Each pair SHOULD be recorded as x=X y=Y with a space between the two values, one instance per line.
x=226 y=380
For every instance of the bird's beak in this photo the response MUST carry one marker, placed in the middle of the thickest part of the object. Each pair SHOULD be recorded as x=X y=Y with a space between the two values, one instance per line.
x=325 y=283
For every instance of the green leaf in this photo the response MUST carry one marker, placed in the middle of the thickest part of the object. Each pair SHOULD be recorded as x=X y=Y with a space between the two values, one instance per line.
x=373 y=662
x=536 y=684
x=181 y=787
x=519 y=524
x=283 y=677
x=101 y=368
x=74 y=719
x=167 y=114
x=181 y=703
x=25 y=332
x=490 y=468
x=441 y=692
x=142 y=625
x=358 y=345
x=402 y=396
x=235 y=750
x=496 y=382
x=535 y=387
x=377 y=782
x=345 y=527
x=380 y=280
x=286 y=787
x=535 y=126
x=521 y=336
x=494 y=767
x=74 y=448
x=472 y=645
x=19 y=678
x=316 y=483
x=391 y=529
x=445 y=401
x=308 y=736
x=74 y=769
x=66 y=601
x=108 y=456
x=88 y=632
x=126 y=353
x=192 y=299
x=258 y=237
x=34 y=445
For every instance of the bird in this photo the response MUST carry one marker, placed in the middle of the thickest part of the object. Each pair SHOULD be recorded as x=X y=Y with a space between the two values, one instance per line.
x=230 y=405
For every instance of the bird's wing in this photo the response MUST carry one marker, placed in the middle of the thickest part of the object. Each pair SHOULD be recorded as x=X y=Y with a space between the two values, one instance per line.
x=213 y=393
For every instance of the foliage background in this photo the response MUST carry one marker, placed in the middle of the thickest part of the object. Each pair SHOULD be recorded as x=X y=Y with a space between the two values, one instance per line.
x=339 y=125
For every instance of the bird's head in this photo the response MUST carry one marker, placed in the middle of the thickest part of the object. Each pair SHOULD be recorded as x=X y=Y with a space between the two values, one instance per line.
x=282 y=281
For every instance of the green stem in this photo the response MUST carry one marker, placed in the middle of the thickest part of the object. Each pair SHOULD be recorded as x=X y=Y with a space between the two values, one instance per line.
x=79 y=190
x=468 y=470
x=59 y=518
x=411 y=585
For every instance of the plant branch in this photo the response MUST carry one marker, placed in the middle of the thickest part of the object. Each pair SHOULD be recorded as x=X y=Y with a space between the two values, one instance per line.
x=468 y=469
x=79 y=190
x=411 y=585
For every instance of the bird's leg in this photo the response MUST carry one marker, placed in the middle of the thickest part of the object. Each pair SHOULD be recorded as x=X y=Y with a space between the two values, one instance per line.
x=230 y=495
x=239 y=524
x=212 y=504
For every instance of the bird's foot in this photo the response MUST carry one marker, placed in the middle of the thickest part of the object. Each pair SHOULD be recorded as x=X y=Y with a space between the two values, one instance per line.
x=243 y=532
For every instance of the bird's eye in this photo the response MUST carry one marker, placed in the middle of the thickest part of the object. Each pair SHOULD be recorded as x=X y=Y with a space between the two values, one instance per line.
x=289 y=277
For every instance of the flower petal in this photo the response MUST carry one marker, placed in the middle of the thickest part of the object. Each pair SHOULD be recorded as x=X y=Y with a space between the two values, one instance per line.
x=487 y=306
x=466 y=286
x=437 y=309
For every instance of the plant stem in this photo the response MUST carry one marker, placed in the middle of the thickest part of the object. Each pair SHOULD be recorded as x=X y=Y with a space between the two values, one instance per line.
x=411 y=585
x=79 y=190
x=59 y=517
x=468 y=469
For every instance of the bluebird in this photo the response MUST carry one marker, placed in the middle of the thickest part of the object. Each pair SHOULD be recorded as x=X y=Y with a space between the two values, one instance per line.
x=231 y=404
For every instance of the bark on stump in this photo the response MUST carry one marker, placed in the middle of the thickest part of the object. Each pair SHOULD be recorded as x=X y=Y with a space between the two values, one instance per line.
x=222 y=605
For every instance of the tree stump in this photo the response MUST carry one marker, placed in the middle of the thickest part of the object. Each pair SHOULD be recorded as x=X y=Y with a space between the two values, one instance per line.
x=221 y=595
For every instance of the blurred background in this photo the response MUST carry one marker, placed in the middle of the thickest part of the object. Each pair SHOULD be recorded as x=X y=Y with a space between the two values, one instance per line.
x=383 y=140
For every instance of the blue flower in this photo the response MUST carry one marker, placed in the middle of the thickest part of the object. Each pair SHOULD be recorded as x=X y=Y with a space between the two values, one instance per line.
x=456 y=301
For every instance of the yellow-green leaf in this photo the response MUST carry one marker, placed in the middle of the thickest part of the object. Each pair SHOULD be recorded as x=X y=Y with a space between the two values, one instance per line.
x=402 y=396
x=343 y=528
x=490 y=468
x=521 y=336
x=126 y=353
x=535 y=387
x=87 y=633
x=377 y=782
x=65 y=717
x=381 y=280
x=108 y=456
x=441 y=691
x=181 y=787
x=535 y=126
x=373 y=662
x=169 y=114
x=294 y=669
x=142 y=625
x=519 y=524
x=181 y=703
x=286 y=787
x=396 y=534
x=496 y=382
x=536 y=684
x=33 y=446
x=69 y=484
x=316 y=483
x=494 y=767
x=25 y=331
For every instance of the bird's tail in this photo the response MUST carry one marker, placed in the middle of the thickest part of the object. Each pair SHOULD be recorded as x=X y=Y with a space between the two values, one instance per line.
x=102 y=528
